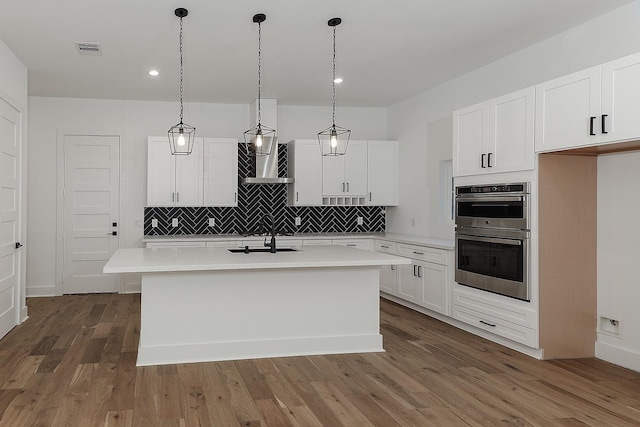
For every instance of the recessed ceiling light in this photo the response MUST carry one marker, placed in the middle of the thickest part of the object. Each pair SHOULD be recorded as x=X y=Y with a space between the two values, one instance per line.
x=338 y=80
x=153 y=73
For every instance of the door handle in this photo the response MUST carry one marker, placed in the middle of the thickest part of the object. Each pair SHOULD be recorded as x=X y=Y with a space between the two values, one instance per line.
x=18 y=245
x=482 y=161
x=419 y=271
x=489 y=160
x=343 y=187
x=177 y=197
x=296 y=196
x=591 y=119
x=487 y=323
x=369 y=195
x=173 y=197
x=603 y=125
x=414 y=270
x=235 y=197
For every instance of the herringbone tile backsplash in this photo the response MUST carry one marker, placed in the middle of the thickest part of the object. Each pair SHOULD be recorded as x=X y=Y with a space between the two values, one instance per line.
x=256 y=200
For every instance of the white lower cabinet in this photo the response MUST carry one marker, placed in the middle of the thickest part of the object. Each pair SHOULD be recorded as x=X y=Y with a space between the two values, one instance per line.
x=388 y=273
x=366 y=244
x=496 y=315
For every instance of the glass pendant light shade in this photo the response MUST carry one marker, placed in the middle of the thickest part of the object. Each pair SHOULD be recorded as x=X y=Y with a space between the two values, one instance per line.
x=260 y=139
x=334 y=140
x=181 y=135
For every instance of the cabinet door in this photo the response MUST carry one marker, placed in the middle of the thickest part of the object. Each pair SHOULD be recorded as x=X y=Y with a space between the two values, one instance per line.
x=220 y=172
x=356 y=168
x=470 y=136
x=389 y=279
x=511 y=119
x=382 y=172
x=409 y=285
x=189 y=185
x=305 y=162
x=160 y=173
x=565 y=109
x=433 y=278
x=620 y=99
x=333 y=181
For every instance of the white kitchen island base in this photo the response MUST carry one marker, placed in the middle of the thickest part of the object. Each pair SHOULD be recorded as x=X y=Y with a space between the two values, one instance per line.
x=224 y=315
x=207 y=304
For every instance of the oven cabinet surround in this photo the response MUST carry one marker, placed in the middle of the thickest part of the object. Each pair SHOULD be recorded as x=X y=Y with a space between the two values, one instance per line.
x=495 y=135
x=173 y=180
x=426 y=281
x=590 y=107
x=206 y=177
x=207 y=304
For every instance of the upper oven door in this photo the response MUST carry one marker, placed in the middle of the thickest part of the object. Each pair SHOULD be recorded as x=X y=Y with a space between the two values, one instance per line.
x=492 y=211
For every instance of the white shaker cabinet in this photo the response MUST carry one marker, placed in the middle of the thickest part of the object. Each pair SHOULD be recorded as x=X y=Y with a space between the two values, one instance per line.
x=388 y=273
x=346 y=175
x=495 y=136
x=173 y=180
x=621 y=99
x=382 y=173
x=305 y=165
x=220 y=172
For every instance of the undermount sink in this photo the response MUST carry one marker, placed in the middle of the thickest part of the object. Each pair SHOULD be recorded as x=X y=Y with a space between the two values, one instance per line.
x=252 y=250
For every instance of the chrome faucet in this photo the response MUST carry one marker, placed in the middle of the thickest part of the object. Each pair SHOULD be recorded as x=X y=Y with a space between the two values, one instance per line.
x=272 y=244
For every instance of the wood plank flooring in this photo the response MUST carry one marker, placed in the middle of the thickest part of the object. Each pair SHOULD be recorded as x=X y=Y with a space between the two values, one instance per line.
x=73 y=364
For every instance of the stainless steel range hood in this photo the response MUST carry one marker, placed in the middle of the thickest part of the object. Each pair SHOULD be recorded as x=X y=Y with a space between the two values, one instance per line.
x=267 y=169
x=266 y=166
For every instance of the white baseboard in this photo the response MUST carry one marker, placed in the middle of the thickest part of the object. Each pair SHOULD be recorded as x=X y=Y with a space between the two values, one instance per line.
x=42 y=291
x=132 y=288
x=618 y=355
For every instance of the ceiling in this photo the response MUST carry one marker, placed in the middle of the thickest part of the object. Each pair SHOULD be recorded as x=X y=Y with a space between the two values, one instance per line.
x=387 y=51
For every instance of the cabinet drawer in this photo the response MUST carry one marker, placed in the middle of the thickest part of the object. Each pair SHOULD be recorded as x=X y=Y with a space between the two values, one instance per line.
x=496 y=309
x=386 y=247
x=316 y=242
x=423 y=253
x=512 y=331
x=225 y=244
x=366 y=244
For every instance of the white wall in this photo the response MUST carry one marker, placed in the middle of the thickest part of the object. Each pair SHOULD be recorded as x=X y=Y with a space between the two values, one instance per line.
x=608 y=37
x=618 y=250
x=13 y=89
x=135 y=120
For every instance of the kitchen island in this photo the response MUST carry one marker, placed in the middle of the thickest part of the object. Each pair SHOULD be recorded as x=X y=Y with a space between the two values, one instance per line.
x=207 y=304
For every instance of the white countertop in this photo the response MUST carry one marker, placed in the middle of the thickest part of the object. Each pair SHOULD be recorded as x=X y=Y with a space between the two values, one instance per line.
x=400 y=238
x=139 y=260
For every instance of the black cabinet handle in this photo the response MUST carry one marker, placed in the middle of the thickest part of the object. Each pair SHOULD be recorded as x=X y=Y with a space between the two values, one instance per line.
x=414 y=270
x=487 y=323
x=604 y=123
x=591 y=119
x=482 y=161
x=114 y=233
x=489 y=160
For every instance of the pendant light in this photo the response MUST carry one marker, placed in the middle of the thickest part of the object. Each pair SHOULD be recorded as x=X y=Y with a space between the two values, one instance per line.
x=181 y=135
x=260 y=139
x=335 y=139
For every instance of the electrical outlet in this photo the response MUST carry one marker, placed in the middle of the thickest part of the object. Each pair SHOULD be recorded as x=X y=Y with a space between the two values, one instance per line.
x=212 y=222
x=298 y=220
x=360 y=220
x=154 y=223
x=174 y=222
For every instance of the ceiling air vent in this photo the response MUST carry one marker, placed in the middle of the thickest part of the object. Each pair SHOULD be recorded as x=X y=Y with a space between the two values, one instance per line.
x=88 y=48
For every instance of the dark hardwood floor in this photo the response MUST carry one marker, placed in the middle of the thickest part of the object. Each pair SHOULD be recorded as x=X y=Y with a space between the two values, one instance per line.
x=73 y=364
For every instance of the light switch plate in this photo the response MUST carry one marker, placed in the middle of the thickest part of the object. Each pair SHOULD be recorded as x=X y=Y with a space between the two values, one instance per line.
x=212 y=222
x=298 y=220
x=154 y=223
x=360 y=220
x=174 y=222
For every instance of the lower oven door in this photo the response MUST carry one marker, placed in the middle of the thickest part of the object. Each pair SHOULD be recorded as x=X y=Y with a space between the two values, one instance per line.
x=493 y=263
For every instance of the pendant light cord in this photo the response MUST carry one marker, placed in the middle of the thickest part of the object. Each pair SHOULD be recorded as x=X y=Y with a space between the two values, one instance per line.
x=259 y=69
x=334 y=76
x=181 y=73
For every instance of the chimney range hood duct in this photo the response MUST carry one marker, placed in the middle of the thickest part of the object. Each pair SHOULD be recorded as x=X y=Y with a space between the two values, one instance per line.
x=266 y=166
x=267 y=169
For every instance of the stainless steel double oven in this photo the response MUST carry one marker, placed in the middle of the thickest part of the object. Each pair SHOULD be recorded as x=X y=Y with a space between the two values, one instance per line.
x=492 y=238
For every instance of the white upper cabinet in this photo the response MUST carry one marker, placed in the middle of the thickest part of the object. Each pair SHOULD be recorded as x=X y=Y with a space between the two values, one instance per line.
x=220 y=172
x=173 y=180
x=568 y=111
x=346 y=175
x=621 y=99
x=305 y=165
x=495 y=136
x=590 y=107
x=382 y=171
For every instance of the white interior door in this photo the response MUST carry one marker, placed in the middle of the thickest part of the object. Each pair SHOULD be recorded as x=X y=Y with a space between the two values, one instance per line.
x=9 y=215
x=91 y=196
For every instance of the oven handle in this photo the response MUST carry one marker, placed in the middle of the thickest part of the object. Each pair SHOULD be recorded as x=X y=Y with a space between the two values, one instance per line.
x=513 y=242
x=482 y=199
